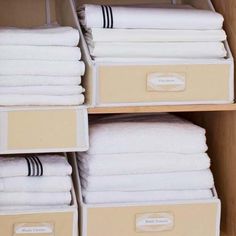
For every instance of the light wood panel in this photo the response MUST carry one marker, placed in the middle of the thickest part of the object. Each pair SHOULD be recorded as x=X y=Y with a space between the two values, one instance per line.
x=221 y=140
x=146 y=109
x=222 y=135
x=228 y=9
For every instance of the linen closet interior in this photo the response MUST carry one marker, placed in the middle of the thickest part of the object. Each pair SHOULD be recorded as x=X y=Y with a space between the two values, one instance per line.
x=220 y=125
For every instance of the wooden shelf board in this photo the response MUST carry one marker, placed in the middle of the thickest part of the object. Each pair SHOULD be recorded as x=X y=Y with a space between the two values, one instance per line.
x=171 y=108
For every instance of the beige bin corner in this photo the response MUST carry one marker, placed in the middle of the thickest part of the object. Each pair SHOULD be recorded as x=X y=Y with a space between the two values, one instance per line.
x=43 y=130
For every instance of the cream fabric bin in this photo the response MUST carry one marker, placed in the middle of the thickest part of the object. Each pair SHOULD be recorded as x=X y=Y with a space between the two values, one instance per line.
x=184 y=218
x=159 y=82
x=41 y=129
x=59 y=221
x=25 y=130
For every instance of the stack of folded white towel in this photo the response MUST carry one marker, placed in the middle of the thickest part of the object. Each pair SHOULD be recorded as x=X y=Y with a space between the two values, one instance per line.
x=40 y=67
x=145 y=159
x=35 y=181
x=158 y=31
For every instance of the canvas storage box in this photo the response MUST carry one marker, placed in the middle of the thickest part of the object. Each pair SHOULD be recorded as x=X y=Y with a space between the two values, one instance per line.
x=169 y=218
x=61 y=221
x=41 y=129
x=156 y=81
x=25 y=130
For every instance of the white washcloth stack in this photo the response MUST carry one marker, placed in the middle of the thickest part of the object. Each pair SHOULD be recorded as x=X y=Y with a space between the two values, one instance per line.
x=147 y=158
x=35 y=181
x=158 y=31
x=40 y=67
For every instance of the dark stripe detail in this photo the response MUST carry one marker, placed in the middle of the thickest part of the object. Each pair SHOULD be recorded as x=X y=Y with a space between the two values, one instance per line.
x=108 y=20
x=104 y=17
x=32 y=165
x=37 y=165
x=29 y=166
x=41 y=166
x=111 y=14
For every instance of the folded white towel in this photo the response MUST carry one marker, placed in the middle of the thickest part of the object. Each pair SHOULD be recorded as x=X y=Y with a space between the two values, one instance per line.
x=141 y=163
x=48 y=68
x=194 y=180
x=34 y=199
x=34 y=165
x=147 y=196
x=96 y=16
x=159 y=50
x=36 y=184
x=56 y=36
x=42 y=90
x=41 y=100
x=145 y=134
x=32 y=80
x=154 y=35
x=48 y=53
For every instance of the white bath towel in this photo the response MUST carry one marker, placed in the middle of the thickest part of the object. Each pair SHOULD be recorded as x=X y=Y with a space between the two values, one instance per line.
x=146 y=196
x=194 y=180
x=36 y=184
x=34 y=165
x=159 y=50
x=146 y=134
x=32 y=80
x=48 y=53
x=154 y=35
x=48 y=68
x=41 y=100
x=55 y=36
x=141 y=163
x=34 y=199
x=42 y=90
x=96 y=16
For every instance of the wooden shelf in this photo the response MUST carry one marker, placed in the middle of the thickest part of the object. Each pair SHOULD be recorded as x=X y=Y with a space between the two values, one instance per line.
x=172 y=108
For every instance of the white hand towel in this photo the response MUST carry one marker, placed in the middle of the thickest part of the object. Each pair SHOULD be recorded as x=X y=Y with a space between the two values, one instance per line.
x=147 y=196
x=154 y=35
x=194 y=180
x=141 y=163
x=96 y=16
x=48 y=53
x=56 y=36
x=159 y=50
x=32 y=80
x=42 y=90
x=34 y=165
x=34 y=199
x=41 y=100
x=146 y=134
x=48 y=68
x=36 y=184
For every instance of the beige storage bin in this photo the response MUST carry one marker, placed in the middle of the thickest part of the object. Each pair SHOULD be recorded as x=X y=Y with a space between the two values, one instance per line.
x=60 y=221
x=41 y=129
x=169 y=218
x=26 y=130
x=156 y=81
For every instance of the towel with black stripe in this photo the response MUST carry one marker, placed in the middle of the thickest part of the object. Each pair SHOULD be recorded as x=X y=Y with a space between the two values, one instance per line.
x=34 y=165
x=149 y=17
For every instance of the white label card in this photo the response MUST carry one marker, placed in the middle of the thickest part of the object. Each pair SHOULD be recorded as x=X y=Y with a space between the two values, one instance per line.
x=170 y=82
x=154 y=222
x=34 y=229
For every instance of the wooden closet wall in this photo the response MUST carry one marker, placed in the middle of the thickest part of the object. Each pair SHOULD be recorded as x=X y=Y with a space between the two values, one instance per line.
x=221 y=135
